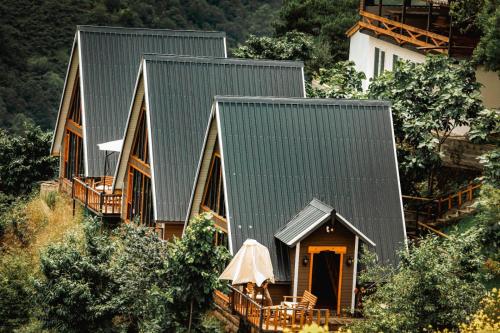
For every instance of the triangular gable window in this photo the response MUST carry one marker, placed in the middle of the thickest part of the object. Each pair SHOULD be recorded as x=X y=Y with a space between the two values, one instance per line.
x=213 y=198
x=75 y=108
x=140 y=147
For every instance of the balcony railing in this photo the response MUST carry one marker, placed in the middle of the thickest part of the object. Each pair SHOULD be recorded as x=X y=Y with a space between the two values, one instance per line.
x=95 y=194
x=269 y=318
x=401 y=33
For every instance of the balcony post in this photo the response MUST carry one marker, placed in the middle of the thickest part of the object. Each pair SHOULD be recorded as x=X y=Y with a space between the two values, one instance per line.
x=101 y=201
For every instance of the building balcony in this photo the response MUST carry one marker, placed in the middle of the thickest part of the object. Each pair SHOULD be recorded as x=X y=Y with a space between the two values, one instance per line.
x=95 y=194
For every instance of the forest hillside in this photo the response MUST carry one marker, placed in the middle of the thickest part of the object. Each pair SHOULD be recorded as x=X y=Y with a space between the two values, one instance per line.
x=36 y=39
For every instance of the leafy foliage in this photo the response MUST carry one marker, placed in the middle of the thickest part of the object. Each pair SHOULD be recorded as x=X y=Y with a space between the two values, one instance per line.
x=16 y=291
x=488 y=217
x=491 y=165
x=25 y=159
x=488 y=50
x=192 y=273
x=429 y=101
x=436 y=284
x=130 y=280
x=485 y=128
x=339 y=81
x=78 y=283
x=326 y=20
x=35 y=49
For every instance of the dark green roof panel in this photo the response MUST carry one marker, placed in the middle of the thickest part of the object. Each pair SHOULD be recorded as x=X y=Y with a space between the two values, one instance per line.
x=180 y=93
x=278 y=154
x=314 y=213
x=110 y=60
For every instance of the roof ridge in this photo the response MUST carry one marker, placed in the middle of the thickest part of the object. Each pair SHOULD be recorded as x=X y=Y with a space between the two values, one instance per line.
x=207 y=59
x=128 y=30
x=298 y=100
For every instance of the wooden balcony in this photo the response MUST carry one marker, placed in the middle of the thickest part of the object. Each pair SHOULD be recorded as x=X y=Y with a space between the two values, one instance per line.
x=95 y=194
x=269 y=318
x=401 y=33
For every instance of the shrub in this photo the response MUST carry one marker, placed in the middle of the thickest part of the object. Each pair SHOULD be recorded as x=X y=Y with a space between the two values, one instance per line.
x=194 y=264
x=436 y=284
x=50 y=199
x=77 y=283
x=16 y=290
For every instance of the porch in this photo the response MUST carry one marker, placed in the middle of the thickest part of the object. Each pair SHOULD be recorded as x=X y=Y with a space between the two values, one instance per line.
x=236 y=305
x=95 y=194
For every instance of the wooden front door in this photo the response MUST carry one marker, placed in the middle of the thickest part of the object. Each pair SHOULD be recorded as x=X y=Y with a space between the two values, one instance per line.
x=325 y=275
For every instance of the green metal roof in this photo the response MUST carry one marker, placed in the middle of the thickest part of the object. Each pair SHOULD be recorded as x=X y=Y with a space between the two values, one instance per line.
x=305 y=222
x=109 y=62
x=180 y=92
x=309 y=219
x=278 y=154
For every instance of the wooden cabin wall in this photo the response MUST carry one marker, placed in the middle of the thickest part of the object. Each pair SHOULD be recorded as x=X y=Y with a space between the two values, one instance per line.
x=340 y=237
x=172 y=229
x=278 y=291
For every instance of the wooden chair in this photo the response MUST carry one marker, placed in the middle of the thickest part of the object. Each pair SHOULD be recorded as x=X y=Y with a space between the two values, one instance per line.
x=306 y=297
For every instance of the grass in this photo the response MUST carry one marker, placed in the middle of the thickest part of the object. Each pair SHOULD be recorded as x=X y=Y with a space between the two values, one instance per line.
x=34 y=225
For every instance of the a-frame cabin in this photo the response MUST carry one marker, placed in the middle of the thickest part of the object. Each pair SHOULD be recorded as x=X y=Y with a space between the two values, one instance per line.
x=173 y=99
x=310 y=179
x=99 y=84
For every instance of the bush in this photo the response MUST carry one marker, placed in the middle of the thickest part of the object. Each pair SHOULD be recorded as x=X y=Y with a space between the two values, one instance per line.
x=77 y=284
x=50 y=199
x=436 y=284
x=16 y=290
x=130 y=280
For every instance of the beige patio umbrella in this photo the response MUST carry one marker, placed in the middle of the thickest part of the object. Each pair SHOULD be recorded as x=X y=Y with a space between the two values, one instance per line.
x=252 y=263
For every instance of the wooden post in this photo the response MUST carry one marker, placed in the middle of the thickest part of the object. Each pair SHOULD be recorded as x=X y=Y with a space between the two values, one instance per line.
x=86 y=197
x=429 y=18
x=380 y=8
x=261 y=318
x=101 y=201
x=403 y=14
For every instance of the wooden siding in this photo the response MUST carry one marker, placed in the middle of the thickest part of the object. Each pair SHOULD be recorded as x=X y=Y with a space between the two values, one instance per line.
x=204 y=169
x=65 y=104
x=279 y=291
x=172 y=229
x=121 y=178
x=340 y=237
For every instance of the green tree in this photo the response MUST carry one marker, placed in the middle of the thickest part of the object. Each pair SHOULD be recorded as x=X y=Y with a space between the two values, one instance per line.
x=429 y=101
x=437 y=284
x=16 y=291
x=77 y=283
x=339 y=81
x=290 y=46
x=25 y=159
x=324 y=19
x=194 y=264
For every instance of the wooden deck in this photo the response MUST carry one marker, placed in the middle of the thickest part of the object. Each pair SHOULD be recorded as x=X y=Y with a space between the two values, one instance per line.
x=272 y=318
x=401 y=33
x=95 y=195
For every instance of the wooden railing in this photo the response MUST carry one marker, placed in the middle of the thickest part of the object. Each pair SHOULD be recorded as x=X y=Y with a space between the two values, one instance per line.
x=401 y=33
x=98 y=201
x=433 y=209
x=271 y=318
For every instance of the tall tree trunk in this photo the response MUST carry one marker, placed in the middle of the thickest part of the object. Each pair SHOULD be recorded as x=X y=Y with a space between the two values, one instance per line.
x=190 y=315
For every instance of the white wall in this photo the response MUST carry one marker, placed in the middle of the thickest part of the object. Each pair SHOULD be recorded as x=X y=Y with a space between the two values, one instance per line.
x=362 y=53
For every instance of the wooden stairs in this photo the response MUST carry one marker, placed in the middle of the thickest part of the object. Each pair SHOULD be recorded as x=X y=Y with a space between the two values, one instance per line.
x=424 y=215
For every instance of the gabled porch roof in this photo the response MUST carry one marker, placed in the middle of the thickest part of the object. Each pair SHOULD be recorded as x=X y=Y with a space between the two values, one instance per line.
x=311 y=218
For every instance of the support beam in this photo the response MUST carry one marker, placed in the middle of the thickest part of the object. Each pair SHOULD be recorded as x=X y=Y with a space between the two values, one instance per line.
x=354 y=273
x=296 y=271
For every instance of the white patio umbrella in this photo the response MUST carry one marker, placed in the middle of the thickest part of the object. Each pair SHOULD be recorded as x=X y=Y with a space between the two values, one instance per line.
x=252 y=263
x=109 y=148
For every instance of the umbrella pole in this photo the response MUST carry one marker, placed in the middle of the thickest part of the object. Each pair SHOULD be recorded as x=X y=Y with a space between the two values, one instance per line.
x=267 y=295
